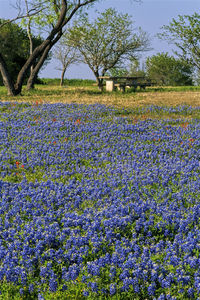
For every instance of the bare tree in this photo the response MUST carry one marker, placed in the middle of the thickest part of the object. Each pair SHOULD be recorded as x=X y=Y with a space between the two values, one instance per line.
x=67 y=56
x=30 y=12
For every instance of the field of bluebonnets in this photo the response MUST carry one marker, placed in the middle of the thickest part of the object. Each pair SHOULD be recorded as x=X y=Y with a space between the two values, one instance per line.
x=97 y=205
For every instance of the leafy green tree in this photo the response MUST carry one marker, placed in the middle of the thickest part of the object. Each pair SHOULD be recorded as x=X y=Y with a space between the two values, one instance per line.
x=51 y=14
x=184 y=32
x=107 y=42
x=168 y=70
x=14 y=47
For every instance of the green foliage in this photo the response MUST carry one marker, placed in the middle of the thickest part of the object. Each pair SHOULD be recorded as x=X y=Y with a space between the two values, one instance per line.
x=184 y=32
x=168 y=70
x=50 y=11
x=117 y=72
x=14 y=47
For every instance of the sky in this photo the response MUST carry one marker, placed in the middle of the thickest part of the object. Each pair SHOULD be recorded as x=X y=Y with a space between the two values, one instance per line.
x=150 y=15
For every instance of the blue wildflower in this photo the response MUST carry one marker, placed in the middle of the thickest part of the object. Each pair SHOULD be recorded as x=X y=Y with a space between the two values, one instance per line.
x=112 y=289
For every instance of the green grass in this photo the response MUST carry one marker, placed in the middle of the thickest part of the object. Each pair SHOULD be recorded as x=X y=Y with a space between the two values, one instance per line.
x=67 y=82
x=174 y=89
x=89 y=82
x=50 y=86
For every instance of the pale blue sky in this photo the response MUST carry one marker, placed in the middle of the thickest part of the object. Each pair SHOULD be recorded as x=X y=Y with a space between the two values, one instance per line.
x=150 y=15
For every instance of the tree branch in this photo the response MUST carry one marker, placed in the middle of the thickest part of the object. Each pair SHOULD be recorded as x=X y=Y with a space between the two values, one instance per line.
x=29 y=14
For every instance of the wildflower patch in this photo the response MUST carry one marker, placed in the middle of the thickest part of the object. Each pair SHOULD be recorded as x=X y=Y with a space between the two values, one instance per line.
x=96 y=206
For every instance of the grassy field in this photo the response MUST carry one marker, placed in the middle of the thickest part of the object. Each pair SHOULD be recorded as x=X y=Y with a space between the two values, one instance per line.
x=89 y=94
x=100 y=201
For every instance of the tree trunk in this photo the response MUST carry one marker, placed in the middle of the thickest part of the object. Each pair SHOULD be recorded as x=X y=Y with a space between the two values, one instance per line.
x=30 y=38
x=100 y=84
x=36 y=69
x=40 y=51
x=6 y=77
x=30 y=83
x=39 y=64
x=62 y=76
x=99 y=81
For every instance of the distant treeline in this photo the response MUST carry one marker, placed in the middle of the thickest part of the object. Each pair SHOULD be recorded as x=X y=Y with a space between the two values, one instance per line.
x=68 y=82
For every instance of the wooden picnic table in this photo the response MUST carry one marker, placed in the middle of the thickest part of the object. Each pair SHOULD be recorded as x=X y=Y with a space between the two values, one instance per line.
x=121 y=82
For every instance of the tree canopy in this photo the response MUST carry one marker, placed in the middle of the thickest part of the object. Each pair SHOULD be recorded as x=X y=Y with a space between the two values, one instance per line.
x=107 y=42
x=168 y=70
x=184 y=32
x=14 y=47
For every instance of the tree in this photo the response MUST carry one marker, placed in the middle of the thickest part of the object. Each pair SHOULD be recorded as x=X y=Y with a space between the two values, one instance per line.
x=14 y=47
x=26 y=11
x=185 y=34
x=135 y=69
x=117 y=72
x=67 y=56
x=168 y=70
x=132 y=69
x=30 y=83
x=56 y=14
x=106 y=42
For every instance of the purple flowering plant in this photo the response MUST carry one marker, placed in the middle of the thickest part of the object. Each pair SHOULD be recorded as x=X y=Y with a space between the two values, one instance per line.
x=96 y=206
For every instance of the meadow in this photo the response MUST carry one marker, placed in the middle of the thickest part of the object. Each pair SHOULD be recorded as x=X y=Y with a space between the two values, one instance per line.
x=100 y=194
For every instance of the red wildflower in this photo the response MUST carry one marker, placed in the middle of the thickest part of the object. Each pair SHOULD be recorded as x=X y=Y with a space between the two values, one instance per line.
x=184 y=125
x=191 y=140
x=78 y=121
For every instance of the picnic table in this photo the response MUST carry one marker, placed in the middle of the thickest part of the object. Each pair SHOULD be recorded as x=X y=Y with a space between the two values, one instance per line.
x=121 y=82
